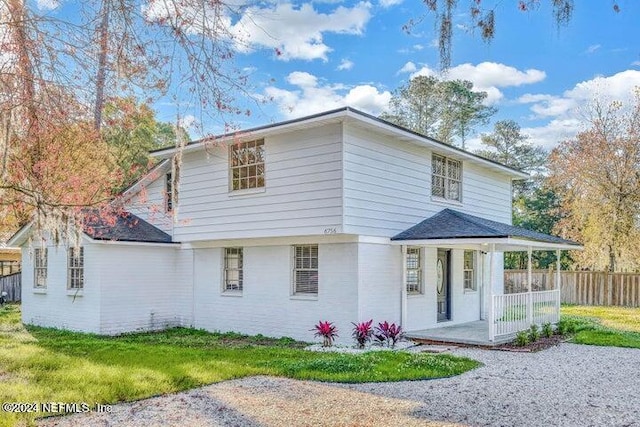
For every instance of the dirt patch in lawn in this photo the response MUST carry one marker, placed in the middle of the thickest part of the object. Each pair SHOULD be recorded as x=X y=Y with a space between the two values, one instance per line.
x=542 y=343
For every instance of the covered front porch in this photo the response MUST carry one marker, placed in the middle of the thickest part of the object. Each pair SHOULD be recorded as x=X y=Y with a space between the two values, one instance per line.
x=500 y=316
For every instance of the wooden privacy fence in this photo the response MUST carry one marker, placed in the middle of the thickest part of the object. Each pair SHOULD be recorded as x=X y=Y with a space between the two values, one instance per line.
x=580 y=287
x=12 y=285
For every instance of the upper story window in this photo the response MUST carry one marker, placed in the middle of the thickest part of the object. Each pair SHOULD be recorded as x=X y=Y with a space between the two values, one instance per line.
x=40 y=268
x=414 y=271
x=305 y=269
x=168 y=189
x=233 y=269
x=246 y=165
x=469 y=270
x=75 y=268
x=446 y=178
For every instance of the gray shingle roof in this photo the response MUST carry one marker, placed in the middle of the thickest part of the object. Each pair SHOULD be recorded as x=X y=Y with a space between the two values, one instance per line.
x=123 y=227
x=451 y=224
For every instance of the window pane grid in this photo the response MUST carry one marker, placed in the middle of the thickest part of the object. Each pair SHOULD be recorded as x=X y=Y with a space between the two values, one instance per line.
x=233 y=274
x=75 y=268
x=306 y=269
x=469 y=270
x=40 y=268
x=247 y=165
x=413 y=271
x=446 y=178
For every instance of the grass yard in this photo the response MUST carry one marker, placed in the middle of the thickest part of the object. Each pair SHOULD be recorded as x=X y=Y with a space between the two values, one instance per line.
x=608 y=326
x=49 y=365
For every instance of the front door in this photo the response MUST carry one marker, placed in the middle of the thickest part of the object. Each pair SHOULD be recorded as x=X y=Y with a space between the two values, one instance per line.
x=442 y=285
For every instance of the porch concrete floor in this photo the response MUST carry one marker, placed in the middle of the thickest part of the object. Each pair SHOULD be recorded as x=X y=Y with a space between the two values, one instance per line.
x=472 y=333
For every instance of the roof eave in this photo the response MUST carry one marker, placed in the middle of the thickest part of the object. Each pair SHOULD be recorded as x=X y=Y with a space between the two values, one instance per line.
x=515 y=244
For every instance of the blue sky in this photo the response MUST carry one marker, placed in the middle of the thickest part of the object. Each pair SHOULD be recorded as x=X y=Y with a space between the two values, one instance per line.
x=334 y=53
x=355 y=53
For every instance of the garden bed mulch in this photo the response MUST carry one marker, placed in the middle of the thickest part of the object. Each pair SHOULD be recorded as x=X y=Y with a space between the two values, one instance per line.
x=542 y=343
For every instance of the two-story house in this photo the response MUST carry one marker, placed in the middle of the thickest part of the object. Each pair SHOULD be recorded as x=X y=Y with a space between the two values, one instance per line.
x=338 y=216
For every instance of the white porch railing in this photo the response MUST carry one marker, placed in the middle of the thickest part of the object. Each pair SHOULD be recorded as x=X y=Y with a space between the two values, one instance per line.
x=513 y=313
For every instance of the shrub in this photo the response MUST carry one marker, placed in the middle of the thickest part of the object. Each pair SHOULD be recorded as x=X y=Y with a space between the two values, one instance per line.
x=534 y=333
x=327 y=331
x=362 y=333
x=388 y=334
x=547 y=330
x=522 y=338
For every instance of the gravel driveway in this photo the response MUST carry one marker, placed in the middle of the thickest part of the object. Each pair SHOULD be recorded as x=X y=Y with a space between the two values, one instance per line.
x=568 y=385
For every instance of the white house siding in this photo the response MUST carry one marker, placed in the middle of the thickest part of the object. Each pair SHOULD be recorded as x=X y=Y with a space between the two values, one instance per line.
x=266 y=305
x=56 y=306
x=379 y=284
x=149 y=204
x=302 y=196
x=387 y=186
x=144 y=287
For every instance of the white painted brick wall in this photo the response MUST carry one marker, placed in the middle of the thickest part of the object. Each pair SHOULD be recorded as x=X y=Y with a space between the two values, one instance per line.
x=379 y=289
x=56 y=306
x=266 y=305
x=144 y=287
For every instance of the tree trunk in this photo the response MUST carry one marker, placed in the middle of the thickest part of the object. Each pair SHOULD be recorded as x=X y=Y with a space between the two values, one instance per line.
x=101 y=76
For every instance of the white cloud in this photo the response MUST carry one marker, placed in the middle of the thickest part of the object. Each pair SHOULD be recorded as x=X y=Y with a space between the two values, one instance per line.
x=345 y=64
x=47 y=4
x=488 y=77
x=296 y=32
x=409 y=67
x=389 y=3
x=566 y=112
x=636 y=63
x=591 y=49
x=292 y=31
x=312 y=96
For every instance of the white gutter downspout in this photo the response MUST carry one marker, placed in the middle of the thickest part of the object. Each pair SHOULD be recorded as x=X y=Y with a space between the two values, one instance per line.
x=403 y=291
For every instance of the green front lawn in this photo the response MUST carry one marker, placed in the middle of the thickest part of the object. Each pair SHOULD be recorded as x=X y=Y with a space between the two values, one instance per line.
x=49 y=365
x=608 y=326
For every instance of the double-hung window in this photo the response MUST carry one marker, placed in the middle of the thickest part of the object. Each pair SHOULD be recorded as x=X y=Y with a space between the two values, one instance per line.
x=246 y=165
x=40 y=268
x=232 y=269
x=414 y=271
x=469 y=270
x=75 y=268
x=446 y=178
x=305 y=270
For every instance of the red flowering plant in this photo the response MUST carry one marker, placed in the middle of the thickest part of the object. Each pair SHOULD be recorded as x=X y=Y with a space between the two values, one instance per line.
x=327 y=331
x=362 y=332
x=388 y=334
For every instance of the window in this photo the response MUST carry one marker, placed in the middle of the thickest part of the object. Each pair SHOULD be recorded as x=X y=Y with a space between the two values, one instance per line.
x=469 y=270
x=414 y=272
x=75 y=268
x=233 y=269
x=40 y=268
x=168 y=189
x=446 y=178
x=305 y=269
x=246 y=164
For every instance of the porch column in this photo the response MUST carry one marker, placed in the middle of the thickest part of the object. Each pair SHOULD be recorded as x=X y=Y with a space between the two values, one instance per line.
x=529 y=280
x=403 y=292
x=558 y=285
x=490 y=317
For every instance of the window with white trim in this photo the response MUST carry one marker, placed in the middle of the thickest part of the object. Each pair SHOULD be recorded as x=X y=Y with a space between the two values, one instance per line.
x=305 y=270
x=469 y=271
x=246 y=165
x=233 y=269
x=414 y=271
x=446 y=178
x=75 y=268
x=40 y=268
